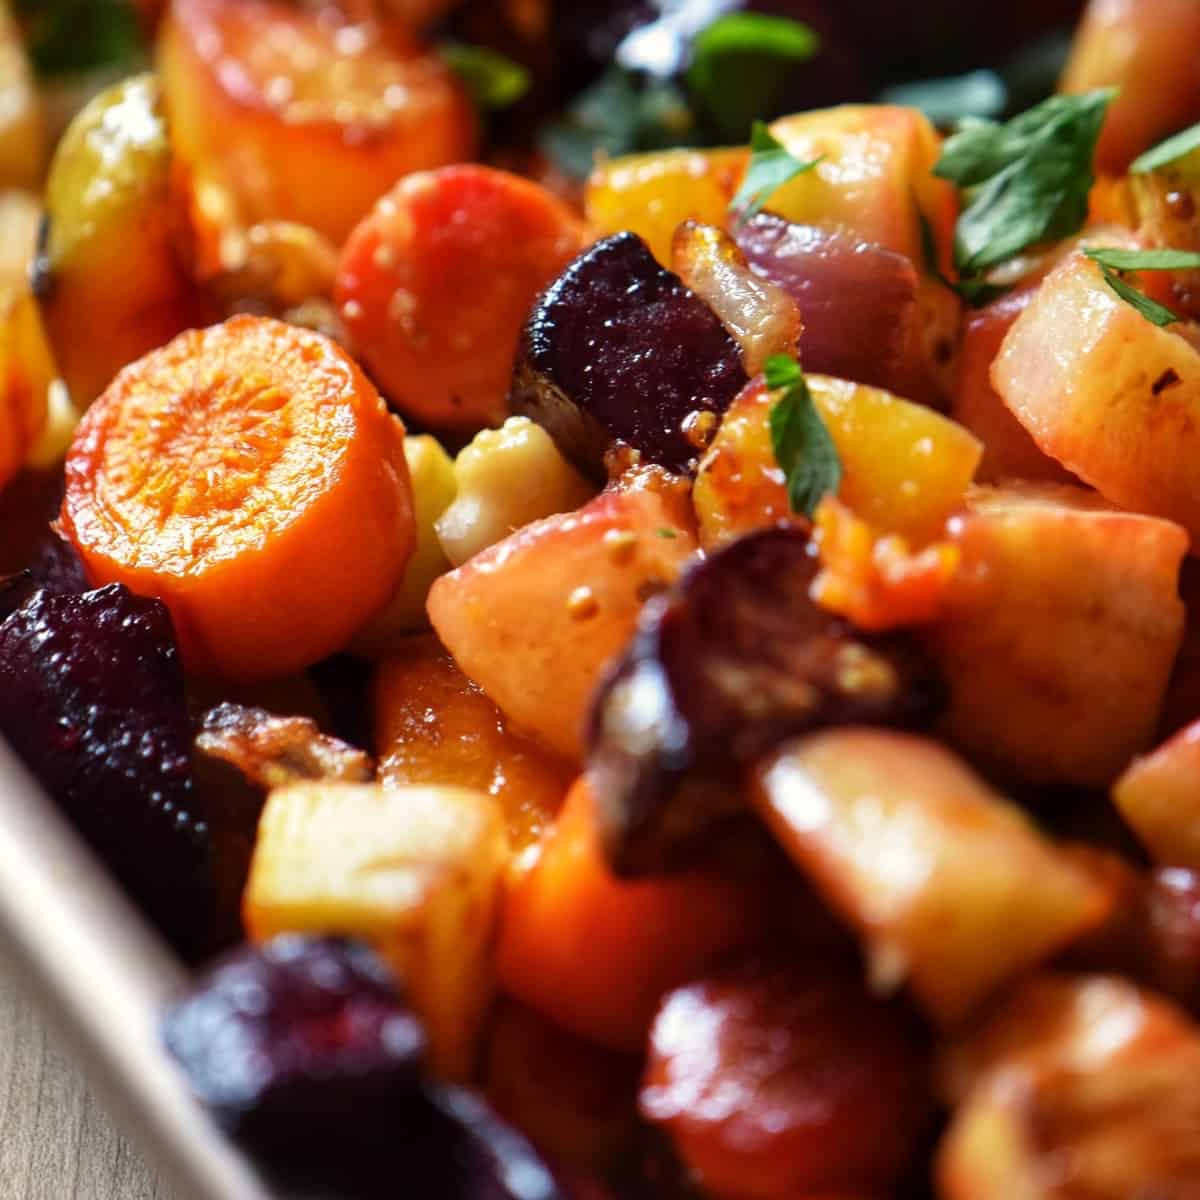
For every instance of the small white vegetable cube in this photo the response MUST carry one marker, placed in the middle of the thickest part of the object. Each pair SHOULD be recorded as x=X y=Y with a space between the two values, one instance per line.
x=414 y=871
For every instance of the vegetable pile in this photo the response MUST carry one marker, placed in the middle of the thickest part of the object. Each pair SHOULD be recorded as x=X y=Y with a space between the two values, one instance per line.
x=622 y=574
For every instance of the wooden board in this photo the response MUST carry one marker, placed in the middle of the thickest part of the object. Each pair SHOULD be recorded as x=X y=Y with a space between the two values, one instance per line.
x=56 y=1141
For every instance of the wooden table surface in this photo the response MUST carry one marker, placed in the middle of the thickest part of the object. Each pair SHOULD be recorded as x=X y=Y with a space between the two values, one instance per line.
x=56 y=1141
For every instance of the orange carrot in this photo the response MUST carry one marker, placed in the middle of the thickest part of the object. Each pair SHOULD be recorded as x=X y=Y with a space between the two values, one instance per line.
x=305 y=113
x=595 y=953
x=436 y=283
x=250 y=476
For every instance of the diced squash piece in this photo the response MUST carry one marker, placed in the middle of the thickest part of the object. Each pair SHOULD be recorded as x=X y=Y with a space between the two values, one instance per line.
x=1147 y=50
x=535 y=618
x=1111 y=396
x=1059 y=632
x=113 y=241
x=415 y=871
x=950 y=887
x=874 y=175
x=434 y=726
x=26 y=373
x=595 y=953
x=653 y=194
x=1009 y=452
x=505 y=479
x=20 y=216
x=22 y=136
x=1075 y=1087
x=432 y=473
x=905 y=467
x=1159 y=796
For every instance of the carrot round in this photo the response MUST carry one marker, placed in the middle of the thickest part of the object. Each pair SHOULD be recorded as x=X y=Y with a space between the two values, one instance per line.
x=595 y=953
x=435 y=285
x=250 y=476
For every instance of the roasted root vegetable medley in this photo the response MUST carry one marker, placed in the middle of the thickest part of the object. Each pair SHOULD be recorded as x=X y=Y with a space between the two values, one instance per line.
x=618 y=578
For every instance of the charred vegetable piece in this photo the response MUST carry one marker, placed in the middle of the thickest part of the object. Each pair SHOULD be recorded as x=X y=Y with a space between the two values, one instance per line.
x=273 y=751
x=732 y=660
x=618 y=349
x=950 y=887
x=1075 y=1087
x=775 y=1083
x=91 y=697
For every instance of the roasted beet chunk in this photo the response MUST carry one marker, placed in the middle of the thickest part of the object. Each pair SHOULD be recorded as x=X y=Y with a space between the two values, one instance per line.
x=300 y=1035
x=91 y=697
x=618 y=349
x=304 y=1050
x=55 y=568
x=733 y=659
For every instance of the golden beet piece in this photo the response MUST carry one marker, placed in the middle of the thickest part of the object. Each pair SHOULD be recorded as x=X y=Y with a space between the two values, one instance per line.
x=250 y=477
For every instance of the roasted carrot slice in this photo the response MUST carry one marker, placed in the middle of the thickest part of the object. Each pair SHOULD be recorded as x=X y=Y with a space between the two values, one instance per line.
x=303 y=112
x=436 y=283
x=594 y=953
x=250 y=476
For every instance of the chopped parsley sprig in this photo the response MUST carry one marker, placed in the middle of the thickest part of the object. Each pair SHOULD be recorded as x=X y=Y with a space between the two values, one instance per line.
x=803 y=448
x=1023 y=182
x=494 y=81
x=1114 y=262
x=770 y=167
x=1168 y=152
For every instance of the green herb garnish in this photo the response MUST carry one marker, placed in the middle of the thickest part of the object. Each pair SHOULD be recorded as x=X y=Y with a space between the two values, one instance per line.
x=771 y=166
x=1165 y=153
x=493 y=80
x=803 y=448
x=1024 y=182
x=1113 y=262
x=667 y=533
x=71 y=37
x=740 y=66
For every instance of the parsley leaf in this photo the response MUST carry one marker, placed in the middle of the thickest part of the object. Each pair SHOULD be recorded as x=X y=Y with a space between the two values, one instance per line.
x=67 y=37
x=1167 y=152
x=1024 y=182
x=740 y=65
x=1113 y=261
x=771 y=166
x=493 y=80
x=802 y=445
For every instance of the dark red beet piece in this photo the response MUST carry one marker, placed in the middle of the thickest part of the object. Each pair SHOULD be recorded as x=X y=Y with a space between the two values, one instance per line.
x=91 y=697
x=775 y=1081
x=733 y=659
x=305 y=1051
x=55 y=568
x=618 y=349
x=858 y=300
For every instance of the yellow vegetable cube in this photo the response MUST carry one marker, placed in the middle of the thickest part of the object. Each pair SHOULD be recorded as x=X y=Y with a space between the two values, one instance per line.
x=653 y=194
x=414 y=871
x=431 y=470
